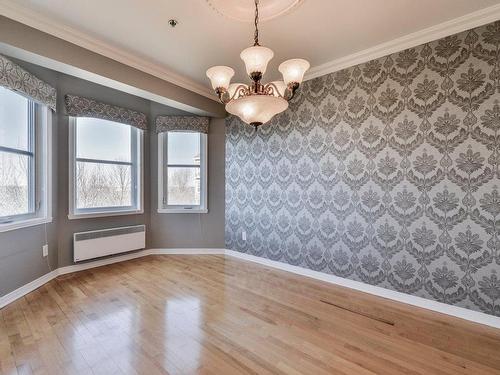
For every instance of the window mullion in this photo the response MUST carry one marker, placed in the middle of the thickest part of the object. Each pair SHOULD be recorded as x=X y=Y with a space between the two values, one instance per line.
x=32 y=177
x=103 y=161
x=183 y=165
x=15 y=151
x=134 y=157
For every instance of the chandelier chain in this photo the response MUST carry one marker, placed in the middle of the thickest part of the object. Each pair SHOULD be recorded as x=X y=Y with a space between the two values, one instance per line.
x=256 y=35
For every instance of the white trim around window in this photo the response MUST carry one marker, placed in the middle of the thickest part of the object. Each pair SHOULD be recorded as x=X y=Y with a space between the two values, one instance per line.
x=40 y=128
x=137 y=162
x=163 y=164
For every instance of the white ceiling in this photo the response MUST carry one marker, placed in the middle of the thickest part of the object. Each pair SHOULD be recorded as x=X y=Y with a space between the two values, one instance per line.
x=317 y=30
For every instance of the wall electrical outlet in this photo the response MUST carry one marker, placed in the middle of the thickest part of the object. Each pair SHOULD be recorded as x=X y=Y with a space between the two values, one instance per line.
x=45 y=250
x=244 y=236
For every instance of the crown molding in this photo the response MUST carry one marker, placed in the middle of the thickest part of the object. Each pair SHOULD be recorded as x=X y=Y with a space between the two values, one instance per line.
x=454 y=26
x=17 y=12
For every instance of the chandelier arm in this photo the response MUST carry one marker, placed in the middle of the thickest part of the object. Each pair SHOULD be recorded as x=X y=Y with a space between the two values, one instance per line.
x=291 y=89
x=271 y=89
x=223 y=95
x=241 y=90
x=288 y=94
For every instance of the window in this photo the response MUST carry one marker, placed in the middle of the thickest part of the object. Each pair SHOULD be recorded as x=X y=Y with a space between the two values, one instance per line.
x=105 y=168
x=24 y=167
x=182 y=172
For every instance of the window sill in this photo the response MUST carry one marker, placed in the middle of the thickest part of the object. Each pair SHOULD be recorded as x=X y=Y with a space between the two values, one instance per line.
x=91 y=215
x=24 y=223
x=182 y=211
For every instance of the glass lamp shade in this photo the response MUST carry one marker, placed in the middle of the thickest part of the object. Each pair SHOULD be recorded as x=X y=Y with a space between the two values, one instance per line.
x=293 y=70
x=256 y=59
x=220 y=76
x=232 y=88
x=280 y=86
x=256 y=109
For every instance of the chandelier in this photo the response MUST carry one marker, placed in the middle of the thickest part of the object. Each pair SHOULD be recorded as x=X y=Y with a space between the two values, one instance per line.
x=257 y=103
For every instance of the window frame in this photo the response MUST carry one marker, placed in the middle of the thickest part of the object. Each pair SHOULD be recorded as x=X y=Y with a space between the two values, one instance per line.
x=40 y=170
x=163 y=165
x=137 y=174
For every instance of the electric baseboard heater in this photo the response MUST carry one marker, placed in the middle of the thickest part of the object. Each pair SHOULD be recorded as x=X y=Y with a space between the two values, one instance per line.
x=100 y=243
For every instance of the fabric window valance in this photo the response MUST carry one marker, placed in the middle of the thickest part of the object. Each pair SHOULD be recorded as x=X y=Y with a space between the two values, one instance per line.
x=16 y=78
x=78 y=106
x=182 y=123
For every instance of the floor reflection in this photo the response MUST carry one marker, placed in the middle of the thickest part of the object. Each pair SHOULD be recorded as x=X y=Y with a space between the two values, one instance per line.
x=101 y=336
x=182 y=334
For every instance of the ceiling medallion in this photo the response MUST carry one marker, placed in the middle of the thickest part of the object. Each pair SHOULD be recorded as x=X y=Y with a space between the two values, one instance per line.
x=243 y=10
x=257 y=103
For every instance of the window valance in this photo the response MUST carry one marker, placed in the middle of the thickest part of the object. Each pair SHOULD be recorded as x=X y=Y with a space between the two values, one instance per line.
x=15 y=78
x=182 y=123
x=78 y=106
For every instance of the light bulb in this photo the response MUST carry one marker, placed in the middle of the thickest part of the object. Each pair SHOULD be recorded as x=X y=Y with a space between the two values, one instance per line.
x=293 y=70
x=220 y=76
x=256 y=59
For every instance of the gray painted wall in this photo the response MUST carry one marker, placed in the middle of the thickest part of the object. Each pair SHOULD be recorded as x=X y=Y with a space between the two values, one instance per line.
x=71 y=85
x=191 y=230
x=30 y=44
x=386 y=173
x=21 y=258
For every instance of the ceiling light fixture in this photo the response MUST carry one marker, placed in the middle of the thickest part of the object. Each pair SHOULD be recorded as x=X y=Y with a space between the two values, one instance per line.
x=257 y=103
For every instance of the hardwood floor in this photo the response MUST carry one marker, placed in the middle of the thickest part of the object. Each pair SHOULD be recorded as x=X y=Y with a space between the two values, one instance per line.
x=216 y=315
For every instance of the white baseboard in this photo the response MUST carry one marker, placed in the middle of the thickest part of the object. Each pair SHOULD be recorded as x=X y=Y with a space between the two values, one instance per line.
x=458 y=312
x=28 y=288
x=101 y=262
x=37 y=283
x=443 y=308
x=182 y=251
x=136 y=254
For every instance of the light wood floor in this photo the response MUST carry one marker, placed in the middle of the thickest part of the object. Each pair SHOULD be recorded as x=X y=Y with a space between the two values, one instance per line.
x=215 y=315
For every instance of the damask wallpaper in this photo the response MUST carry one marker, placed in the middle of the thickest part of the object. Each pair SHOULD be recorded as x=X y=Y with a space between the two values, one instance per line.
x=386 y=173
